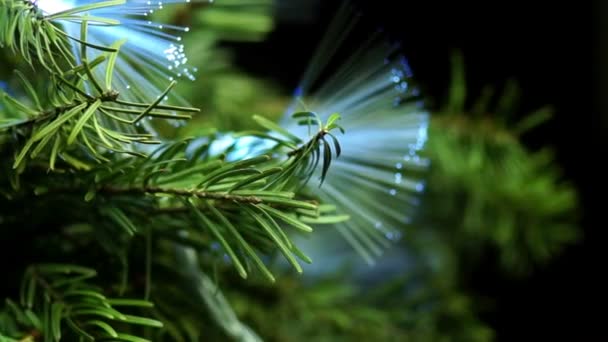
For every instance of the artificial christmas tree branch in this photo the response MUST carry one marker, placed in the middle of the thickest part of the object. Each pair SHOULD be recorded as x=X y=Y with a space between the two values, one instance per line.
x=76 y=126
x=182 y=193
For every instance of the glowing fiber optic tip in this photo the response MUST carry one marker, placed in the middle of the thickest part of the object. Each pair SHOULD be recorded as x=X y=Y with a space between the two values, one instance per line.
x=376 y=179
x=149 y=45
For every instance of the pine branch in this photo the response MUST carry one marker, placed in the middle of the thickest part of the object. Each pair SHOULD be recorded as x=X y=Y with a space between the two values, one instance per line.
x=27 y=30
x=78 y=114
x=239 y=206
x=181 y=192
x=56 y=302
x=211 y=192
x=50 y=114
x=244 y=205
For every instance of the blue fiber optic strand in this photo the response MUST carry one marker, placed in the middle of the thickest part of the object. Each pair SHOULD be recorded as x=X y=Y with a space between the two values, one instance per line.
x=377 y=178
x=151 y=57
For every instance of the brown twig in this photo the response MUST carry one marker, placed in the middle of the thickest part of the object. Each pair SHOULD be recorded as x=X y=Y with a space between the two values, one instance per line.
x=180 y=192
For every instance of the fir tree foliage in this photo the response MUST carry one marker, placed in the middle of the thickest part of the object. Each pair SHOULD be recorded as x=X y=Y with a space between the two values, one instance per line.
x=74 y=151
x=173 y=234
x=58 y=302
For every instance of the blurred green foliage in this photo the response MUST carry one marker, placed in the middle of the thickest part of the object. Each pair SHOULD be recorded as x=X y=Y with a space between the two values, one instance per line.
x=411 y=307
x=487 y=190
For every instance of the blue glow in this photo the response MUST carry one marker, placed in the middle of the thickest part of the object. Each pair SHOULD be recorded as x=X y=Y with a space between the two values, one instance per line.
x=220 y=145
x=385 y=130
x=405 y=65
x=373 y=181
x=232 y=148
x=152 y=46
x=401 y=87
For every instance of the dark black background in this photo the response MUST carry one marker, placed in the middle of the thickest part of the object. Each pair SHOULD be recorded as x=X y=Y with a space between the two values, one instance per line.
x=551 y=49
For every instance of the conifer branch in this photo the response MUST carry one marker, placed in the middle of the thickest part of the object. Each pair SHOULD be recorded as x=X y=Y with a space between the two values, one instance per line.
x=241 y=206
x=108 y=96
x=222 y=196
x=57 y=301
